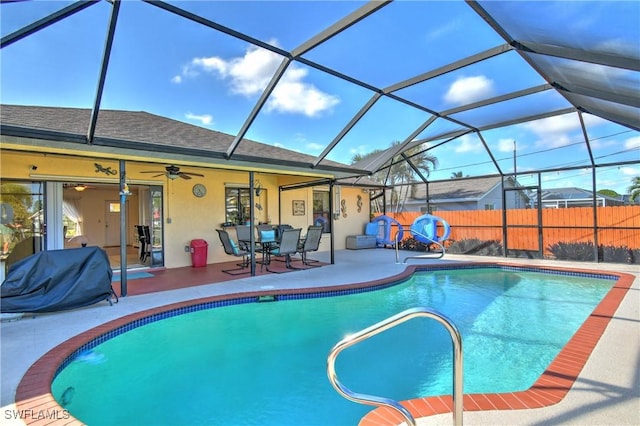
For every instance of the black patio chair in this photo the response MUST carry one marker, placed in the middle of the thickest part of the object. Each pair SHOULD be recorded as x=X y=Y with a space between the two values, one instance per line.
x=144 y=237
x=287 y=246
x=243 y=232
x=232 y=249
x=310 y=243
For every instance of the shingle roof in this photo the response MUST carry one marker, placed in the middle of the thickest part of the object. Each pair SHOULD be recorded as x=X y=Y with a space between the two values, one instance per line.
x=467 y=189
x=572 y=193
x=144 y=131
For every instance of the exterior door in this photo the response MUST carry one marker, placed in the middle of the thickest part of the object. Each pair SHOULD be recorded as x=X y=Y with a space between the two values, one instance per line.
x=157 y=227
x=112 y=223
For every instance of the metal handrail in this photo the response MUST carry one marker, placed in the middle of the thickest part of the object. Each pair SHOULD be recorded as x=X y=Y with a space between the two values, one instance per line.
x=385 y=325
x=442 y=249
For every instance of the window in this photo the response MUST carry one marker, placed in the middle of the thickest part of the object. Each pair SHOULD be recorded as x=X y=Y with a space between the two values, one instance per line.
x=237 y=205
x=321 y=212
x=490 y=206
x=22 y=215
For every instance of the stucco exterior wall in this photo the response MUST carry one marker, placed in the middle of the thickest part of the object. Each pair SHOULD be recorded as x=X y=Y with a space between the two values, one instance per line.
x=186 y=217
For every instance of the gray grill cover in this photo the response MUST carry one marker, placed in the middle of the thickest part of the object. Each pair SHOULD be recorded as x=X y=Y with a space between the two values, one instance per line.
x=56 y=280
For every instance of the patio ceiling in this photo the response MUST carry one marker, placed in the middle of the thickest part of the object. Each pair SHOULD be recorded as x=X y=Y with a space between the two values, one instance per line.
x=385 y=71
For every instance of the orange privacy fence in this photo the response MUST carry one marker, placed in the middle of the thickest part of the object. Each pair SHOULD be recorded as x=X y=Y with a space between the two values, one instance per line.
x=617 y=226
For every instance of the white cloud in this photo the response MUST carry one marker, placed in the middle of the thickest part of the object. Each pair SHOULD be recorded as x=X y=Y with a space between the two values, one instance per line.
x=249 y=75
x=469 y=89
x=560 y=130
x=205 y=119
x=360 y=150
x=554 y=131
x=506 y=145
x=632 y=143
x=313 y=147
x=630 y=171
x=188 y=71
x=469 y=144
x=443 y=30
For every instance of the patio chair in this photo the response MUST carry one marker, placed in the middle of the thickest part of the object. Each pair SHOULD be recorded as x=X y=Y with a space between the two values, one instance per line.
x=267 y=242
x=265 y=227
x=280 y=228
x=311 y=243
x=243 y=232
x=288 y=245
x=232 y=249
x=144 y=237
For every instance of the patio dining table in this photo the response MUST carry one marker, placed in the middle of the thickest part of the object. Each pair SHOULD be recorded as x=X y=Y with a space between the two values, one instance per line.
x=266 y=241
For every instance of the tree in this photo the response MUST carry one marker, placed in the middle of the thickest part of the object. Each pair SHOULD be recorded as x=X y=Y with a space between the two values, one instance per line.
x=608 y=193
x=20 y=199
x=397 y=173
x=456 y=175
x=634 y=189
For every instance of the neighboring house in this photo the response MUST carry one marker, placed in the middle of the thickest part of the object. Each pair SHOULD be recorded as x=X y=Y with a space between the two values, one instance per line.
x=78 y=179
x=626 y=198
x=465 y=194
x=559 y=198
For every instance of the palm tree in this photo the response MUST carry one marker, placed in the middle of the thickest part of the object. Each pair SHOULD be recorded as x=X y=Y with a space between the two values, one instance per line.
x=634 y=189
x=456 y=175
x=398 y=173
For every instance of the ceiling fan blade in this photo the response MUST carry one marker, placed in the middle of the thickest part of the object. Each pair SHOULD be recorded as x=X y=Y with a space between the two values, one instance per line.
x=153 y=171
x=158 y=175
x=193 y=174
x=184 y=175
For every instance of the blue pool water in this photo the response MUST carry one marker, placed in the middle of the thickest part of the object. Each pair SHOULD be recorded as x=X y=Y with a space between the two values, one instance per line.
x=265 y=363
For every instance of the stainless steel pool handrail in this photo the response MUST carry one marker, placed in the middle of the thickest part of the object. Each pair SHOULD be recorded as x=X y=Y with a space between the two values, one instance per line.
x=442 y=250
x=385 y=325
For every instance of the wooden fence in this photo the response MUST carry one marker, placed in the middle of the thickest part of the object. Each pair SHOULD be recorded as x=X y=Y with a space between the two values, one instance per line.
x=618 y=226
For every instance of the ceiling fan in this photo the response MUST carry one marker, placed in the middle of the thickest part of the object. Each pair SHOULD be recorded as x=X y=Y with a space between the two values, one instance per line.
x=173 y=172
x=77 y=186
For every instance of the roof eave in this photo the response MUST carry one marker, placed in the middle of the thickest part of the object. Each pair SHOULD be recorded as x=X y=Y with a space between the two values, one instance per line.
x=220 y=158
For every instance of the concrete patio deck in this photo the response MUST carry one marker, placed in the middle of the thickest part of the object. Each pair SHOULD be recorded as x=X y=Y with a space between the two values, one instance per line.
x=606 y=392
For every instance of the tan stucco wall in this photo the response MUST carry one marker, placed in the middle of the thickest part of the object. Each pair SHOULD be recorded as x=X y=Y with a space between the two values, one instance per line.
x=186 y=216
x=351 y=221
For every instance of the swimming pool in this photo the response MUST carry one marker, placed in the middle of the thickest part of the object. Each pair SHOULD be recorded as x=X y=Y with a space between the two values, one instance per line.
x=246 y=327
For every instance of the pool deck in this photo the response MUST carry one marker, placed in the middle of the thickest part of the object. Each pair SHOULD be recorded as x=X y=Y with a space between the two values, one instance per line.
x=606 y=391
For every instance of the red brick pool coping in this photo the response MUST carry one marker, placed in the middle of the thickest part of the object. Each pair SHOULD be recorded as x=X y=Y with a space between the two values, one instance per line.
x=35 y=404
x=550 y=388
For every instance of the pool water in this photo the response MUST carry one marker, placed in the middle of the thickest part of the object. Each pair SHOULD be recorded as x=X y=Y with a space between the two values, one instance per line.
x=265 y=363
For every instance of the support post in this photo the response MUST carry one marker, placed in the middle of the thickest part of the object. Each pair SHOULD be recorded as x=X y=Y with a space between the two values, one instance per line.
x=124 y=191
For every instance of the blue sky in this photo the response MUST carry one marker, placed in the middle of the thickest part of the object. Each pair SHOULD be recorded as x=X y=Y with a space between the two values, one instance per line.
x=169 y=66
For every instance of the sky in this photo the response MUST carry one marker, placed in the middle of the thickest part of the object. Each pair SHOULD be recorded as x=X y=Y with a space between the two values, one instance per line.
x=170 y=66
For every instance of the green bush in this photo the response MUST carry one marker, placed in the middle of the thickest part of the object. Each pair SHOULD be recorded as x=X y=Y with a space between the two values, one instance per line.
x=475 y=246
x=572 y=251
x=618 y=254
x=412 y=244
x=584 y=252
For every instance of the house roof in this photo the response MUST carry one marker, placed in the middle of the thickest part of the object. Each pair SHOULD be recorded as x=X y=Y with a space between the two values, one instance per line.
x=457 y=189
x=573 y=193
x=142 y=131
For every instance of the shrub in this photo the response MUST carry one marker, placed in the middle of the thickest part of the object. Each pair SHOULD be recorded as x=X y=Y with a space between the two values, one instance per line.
x=475 y=246
x=412 y=244
x=584 y=252
x=615 y=254
x=572 y=251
